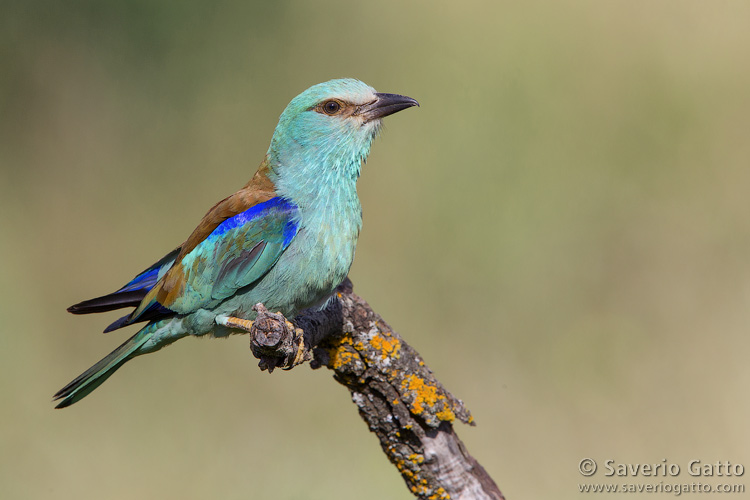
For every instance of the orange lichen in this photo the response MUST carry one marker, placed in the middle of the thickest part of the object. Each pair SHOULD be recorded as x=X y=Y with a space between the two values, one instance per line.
x=341 y=354
x=407 y=473
x=387 y=347
x=440 y=494
x=425 y=394
x=418 y=484
x=403 y=469
x=446 y=415
x=422 y=489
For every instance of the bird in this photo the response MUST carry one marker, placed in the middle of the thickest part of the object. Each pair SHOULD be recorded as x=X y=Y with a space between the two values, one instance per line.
x=286 y=239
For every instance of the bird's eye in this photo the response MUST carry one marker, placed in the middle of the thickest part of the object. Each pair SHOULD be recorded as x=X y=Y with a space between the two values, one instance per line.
x=331 y=107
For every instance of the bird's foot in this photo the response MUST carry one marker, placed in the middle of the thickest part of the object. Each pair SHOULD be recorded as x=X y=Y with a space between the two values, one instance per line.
x=276 y=342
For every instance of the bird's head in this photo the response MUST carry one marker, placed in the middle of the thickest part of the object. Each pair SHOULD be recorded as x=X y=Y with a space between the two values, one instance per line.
x=328 y=129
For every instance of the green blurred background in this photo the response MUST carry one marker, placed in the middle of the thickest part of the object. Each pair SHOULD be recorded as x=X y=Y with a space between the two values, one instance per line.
x=562 y=230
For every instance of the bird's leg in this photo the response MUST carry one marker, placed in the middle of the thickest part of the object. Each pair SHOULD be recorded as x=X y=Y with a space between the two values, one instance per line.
x=232 y=322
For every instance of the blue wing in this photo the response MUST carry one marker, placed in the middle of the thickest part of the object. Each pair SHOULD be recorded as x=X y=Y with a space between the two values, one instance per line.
x=238 y=252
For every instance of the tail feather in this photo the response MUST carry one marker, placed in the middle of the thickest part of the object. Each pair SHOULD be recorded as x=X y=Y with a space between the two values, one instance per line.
x=92 y=378
x=110 y=302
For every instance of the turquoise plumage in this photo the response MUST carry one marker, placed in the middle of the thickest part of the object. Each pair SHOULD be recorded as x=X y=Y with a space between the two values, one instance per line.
x=286 y=239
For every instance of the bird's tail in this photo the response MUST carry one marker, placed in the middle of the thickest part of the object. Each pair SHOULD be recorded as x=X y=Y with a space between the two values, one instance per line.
x=92 y=378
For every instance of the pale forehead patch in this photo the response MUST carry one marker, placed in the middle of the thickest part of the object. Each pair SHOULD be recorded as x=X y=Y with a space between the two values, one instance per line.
x=347 y=89
x=350 y=90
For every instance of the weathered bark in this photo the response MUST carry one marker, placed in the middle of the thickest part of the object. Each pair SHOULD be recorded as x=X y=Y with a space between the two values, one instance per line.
x=397 y=395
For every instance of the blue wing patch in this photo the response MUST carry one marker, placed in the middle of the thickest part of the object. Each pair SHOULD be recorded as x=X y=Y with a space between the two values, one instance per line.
x=148 y=278
x=238 y=252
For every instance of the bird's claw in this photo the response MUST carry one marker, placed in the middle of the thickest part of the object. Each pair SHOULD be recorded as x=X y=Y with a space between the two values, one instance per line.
x=301 y=355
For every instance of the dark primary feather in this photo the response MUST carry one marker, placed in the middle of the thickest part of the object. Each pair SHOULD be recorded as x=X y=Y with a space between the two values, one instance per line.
x=110 y=302
x=131 y=294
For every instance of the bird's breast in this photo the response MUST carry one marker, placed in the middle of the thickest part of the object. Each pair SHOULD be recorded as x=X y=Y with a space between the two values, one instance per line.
x=330 y=239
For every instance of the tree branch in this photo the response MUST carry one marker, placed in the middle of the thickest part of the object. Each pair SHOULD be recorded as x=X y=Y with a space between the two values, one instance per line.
x=396 y=393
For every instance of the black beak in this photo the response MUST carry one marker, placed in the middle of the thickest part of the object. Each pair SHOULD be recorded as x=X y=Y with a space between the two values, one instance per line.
x=386 y=104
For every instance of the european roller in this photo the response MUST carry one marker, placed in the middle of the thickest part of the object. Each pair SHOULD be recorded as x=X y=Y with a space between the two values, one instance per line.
x=286 y=239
